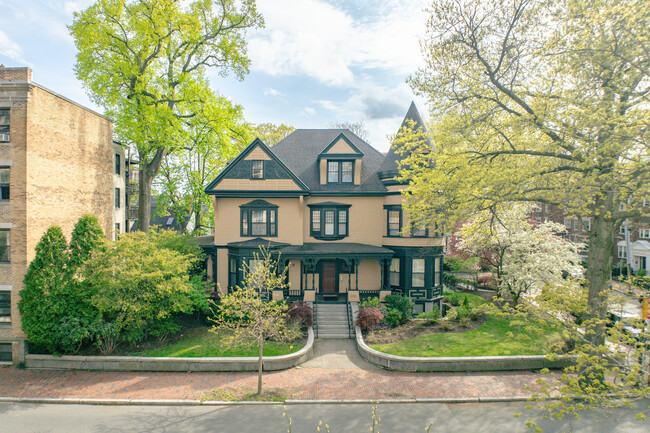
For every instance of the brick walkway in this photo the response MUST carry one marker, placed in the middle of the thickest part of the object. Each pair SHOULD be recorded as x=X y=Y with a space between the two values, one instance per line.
x=303 y=383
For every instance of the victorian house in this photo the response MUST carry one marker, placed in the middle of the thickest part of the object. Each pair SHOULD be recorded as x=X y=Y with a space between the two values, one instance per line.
x=330 y=205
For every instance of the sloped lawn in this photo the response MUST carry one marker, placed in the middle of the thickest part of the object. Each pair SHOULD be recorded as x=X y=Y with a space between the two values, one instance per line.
x=200 y=342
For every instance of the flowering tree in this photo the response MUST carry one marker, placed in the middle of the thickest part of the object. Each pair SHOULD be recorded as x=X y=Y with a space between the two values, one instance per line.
x=520 y=252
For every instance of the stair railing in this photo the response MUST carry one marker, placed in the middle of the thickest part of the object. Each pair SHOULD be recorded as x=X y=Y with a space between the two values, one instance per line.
x=350 y=324
x=316 y=316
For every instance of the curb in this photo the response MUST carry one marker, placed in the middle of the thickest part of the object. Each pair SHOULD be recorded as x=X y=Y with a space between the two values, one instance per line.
x=147 y=402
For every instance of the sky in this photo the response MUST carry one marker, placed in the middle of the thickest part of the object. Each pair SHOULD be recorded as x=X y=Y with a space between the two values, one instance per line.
x=316 y=62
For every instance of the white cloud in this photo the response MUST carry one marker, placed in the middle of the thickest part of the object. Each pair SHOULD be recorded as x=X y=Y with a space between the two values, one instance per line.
x=270 y=91
x=10 y=48
x=309 y=111
x=322 y=41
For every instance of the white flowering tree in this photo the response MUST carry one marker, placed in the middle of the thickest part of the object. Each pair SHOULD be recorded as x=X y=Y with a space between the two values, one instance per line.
x=521 y=252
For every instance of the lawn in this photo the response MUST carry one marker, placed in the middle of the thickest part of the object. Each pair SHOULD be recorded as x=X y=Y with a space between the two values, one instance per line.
x=201 y=342
x=490 y=339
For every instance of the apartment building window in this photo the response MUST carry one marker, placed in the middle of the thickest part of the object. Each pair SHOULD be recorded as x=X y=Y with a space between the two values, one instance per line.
x=117 y=228
x=4 y=183
x=117 y=198
x=5 y=245
x=118 y=163
x=644 y=233
x=340 y=171
x=622 y=252
x=395 y=272
x=330 y=222
x=259 y=218
x=5 y=305
x=417 y=273
x=4 y=125
x=257 y=169
x=394 y=220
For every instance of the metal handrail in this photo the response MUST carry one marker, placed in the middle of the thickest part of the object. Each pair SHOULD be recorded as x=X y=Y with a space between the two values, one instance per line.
x=349 y=308
x=315 y=316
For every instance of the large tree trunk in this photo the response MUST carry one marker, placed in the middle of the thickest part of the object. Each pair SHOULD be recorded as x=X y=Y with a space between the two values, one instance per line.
x=601 y=244
x=148 y=172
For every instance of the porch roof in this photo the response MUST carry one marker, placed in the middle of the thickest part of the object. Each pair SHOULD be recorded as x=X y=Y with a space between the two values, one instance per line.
x=336 y=250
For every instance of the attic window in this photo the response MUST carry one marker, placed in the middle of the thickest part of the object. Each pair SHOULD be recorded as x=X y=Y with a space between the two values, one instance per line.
x=340 y=171
x=170 y=221
x=257 y=169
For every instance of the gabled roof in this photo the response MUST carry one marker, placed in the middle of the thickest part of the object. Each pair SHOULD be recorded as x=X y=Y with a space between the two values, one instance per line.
x=389 y=167
x=231 y=166
x=355 y=150
x=300 y=151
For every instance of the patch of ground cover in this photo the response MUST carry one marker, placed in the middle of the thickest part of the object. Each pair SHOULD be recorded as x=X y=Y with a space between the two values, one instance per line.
x=491 y=335
x=201 y=342
x=245 y=394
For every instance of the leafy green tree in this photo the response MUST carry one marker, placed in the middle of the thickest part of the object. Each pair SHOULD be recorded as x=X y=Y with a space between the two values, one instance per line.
x=211 y=138
x=247 y=315
x=87 y=237
x=541 y=102
x=140 y=288
x=272 y=134
x=41 y=305
x=146 y=61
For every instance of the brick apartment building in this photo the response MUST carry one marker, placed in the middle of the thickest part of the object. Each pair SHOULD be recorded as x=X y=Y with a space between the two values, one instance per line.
x=57 y=162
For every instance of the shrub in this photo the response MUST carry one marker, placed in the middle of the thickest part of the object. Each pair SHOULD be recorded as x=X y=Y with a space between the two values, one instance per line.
x=462 y=312
x=452 y=315
x=300 y=312
x=446 y=325
x=476 y=313
x=402 y=304
x=393 y=318
x=464 y=321
x=449 y=279
x=370 y=302
x=431 y=316
x=452 y=298
x=486 y=281
x=369 y=317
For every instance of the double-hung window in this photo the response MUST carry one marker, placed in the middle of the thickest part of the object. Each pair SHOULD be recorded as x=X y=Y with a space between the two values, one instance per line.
x=118 y=163
x=4 y=183
x=644 y=233
x=5 y=246
x=394 y=220
x=395 y=272
x=4 y=125
x=417 y=273
x=329 y=222
x=340 y=171
x=117 y=198
x=257 y=169
x=259 y=218
x=5 y=306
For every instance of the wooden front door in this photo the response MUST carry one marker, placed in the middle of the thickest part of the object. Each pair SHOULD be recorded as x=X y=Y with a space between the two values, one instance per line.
x=328 y=278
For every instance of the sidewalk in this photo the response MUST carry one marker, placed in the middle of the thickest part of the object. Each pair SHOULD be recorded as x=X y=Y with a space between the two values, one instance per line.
x=353 y=379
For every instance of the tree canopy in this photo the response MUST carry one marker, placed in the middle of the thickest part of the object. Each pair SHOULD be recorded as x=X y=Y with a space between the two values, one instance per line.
x=146 y=61
x=541 y=102
x=272 y=134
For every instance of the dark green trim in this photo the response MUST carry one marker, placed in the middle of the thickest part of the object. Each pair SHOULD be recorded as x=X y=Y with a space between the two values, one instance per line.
x=394 y=208
x=330 y=204
x=339 y=172
x=339 y=156
x=347 y=141
x=347 y=193
x=259 y=204
x=254 y=194
x=322 y=210
x=263 y=171
x=241 y=156
x=248 y=211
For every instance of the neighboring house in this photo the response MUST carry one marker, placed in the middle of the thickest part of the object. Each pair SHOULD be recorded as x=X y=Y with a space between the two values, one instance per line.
x=56 y=164
x=639 y=237
x=328 y=203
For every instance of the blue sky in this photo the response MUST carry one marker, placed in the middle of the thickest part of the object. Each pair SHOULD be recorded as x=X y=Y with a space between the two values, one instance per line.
x=315 y=62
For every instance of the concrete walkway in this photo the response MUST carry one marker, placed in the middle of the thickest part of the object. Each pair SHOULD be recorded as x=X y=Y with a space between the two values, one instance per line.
x=337 y=354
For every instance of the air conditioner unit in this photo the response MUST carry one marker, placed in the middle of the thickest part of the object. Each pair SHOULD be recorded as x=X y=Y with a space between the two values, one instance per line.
x=4 y=137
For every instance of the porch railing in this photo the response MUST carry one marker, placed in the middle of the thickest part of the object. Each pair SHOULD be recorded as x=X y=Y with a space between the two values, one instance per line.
x=350 y=324
x=294 y=295
x=367 y=294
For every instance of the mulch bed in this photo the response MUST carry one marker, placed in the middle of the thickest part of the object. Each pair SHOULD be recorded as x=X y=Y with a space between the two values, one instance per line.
x=417 y=327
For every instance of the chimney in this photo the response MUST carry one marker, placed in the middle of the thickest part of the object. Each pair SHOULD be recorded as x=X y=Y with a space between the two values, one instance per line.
x=15 y=74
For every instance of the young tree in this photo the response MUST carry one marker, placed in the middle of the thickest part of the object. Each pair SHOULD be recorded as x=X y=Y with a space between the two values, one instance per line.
x=272 y=134
x=541 y=102
x=145 y=62
x=247 y=315
x=521 y=254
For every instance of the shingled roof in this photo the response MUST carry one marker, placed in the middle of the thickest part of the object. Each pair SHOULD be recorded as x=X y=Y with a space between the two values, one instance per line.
x=300 y=150
x=389 y=166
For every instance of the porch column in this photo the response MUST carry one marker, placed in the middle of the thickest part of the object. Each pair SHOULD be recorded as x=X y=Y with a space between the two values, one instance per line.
x=356 y=274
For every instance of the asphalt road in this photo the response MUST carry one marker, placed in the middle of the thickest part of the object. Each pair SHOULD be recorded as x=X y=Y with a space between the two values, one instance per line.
x=395 y=418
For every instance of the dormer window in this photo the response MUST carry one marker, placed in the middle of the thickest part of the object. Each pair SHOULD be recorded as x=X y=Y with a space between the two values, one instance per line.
x=257 y=169
x=340 y=171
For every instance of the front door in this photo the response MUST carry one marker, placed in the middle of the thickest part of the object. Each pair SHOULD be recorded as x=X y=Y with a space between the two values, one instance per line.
x=328 y=277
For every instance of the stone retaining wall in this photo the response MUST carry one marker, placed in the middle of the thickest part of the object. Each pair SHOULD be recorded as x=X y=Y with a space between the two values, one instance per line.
x=142 y=363
x=449 y=364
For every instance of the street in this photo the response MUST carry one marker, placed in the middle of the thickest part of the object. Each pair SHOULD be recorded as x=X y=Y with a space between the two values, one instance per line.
x=398 y=418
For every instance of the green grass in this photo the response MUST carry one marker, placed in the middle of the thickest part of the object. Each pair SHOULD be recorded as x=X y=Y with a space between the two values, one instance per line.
x=490 y=339
x=203 y=343
x=473 y=300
